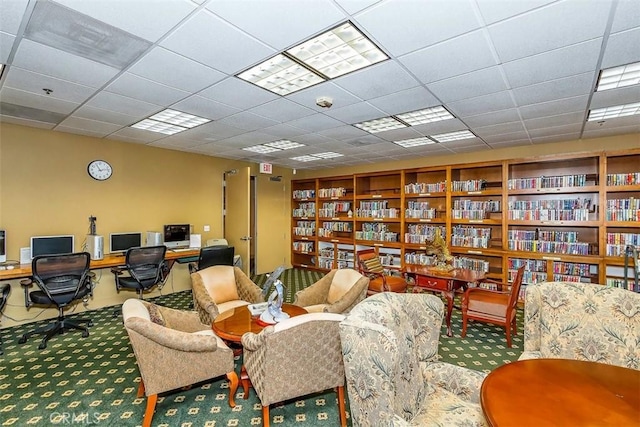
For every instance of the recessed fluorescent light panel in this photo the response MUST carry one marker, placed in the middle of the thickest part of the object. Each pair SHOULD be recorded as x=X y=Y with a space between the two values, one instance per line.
x=332 y=54
x=614 y=112
x=170 y=122
x=613 y=78
x=338 y=51
x=380 y=125
x=327 y=155
x=453 y=136
x=284 y=144
x=261 y=149
x=305 y=158
x=281 y=75
x=428 y=115
x=414 y=142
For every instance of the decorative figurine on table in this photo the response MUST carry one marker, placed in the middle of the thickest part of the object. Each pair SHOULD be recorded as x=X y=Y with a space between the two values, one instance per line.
x=273 y=313
x=438 y=248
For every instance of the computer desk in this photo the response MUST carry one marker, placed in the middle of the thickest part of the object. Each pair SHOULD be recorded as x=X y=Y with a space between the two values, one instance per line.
x=23 y=271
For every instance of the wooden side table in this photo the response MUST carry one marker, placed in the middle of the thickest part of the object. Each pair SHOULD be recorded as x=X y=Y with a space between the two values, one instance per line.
x=232 y=324
x=561 y=392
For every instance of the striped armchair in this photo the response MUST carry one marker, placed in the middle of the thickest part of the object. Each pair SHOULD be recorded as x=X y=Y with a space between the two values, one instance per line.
x=582 y=321
x=390 y=351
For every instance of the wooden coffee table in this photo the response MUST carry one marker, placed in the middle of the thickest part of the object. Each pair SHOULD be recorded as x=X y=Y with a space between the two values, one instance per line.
x=446 y=282
x=232 y=324
x=559 y=392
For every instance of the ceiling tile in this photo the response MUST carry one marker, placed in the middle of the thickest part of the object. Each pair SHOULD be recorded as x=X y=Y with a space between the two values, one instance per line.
x=354 y=6
x=237 y=93
x=204 y=107
x=28 y=81
x=355 y=113
x=404 y=26
x=378 y=80
x=442 y=126
x=556 y=120
x=101 y=128
x=344 y=133
x=149 y=21
x=146 y=90
x=213 y=131
x=503 y=116
x=618 y=50
x=461 y=55
x=413 y=99
x=301 y=19
x=282 y=110
x=99 y=114
x=169 y=68
x=308 y=97
x=551 y=108
x=213 y=42
x=477 y=83
x=482 y=104
x=547 y=132
x=554 y=89
x=564 y=62
x=11 y=13
x=315 y=123
x=56 y=63
x=6 y=44
x=507 y=138
x=627 y=15
x=138 y=136
x=559 y=24
x=499 y=129
x=496 y=10
x=555 y=138
x=619 y=96
x=25 y=122
x=284 y=131
x=35 y=100
x=248 y=121
x=124 y=105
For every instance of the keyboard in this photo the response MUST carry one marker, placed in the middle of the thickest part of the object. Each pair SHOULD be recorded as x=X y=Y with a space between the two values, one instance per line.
x=182 y=249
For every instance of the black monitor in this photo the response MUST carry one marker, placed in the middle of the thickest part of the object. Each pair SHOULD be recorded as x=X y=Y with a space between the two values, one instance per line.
x=177 y=235
x=119 y=243
x=3 y=246
x=51 y=245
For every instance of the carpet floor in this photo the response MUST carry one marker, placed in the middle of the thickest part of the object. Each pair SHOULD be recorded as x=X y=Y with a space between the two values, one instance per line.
x=94 y=380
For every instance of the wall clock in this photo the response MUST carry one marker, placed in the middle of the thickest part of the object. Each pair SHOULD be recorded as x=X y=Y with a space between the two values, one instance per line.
x=99 y=170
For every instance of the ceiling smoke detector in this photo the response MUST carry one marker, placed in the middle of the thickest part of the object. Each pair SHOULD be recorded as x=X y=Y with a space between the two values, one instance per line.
x=324 y=102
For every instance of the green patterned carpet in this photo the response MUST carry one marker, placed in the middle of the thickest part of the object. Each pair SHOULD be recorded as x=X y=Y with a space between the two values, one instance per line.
x=94 y=380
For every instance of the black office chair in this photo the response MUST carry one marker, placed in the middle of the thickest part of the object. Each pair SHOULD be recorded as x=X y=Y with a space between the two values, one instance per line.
x=213 y=255
x=4 y=296
x=62 y=280
x=146 y=268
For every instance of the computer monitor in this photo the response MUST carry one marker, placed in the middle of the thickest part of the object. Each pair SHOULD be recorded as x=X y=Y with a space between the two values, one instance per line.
x=52 y=245
x=3 y=245
x=177 y=235
x=119 y=243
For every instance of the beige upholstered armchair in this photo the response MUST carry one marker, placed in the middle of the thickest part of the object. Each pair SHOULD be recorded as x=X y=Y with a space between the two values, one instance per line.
x=337 y=292
x=220 y=288
x=296 y=357
x=390 y=351
x=582 y=321
x=174 y=349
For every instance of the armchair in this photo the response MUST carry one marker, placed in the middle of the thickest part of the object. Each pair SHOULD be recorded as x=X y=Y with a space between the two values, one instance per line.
x=390 y=352
x=220 y=288
x=493 y=306
x=309 y=346
x=337 y=292
x=174 y=349
x=582 y=321
x=62 y=280
x=379 y=281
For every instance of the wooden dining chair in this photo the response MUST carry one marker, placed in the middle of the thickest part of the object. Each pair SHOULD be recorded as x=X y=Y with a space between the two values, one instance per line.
x=369 y=265
x=493 y=306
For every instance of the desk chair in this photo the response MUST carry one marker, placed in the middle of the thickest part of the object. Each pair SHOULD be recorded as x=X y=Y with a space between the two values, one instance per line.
x=213 y=255
x=146 y=268
x=4 y=296
x=62 y=280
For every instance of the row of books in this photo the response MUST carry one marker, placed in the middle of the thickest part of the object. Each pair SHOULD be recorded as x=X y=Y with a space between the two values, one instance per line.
x=577 y=248
x=303 y=246
x=378 y=213
x=619 y=283
x=304 y=194
x=419 y=258
x=615 y=179
x=623 y=214
x=467 y=231
x=423 y=187
x=532 y=265
x=623 y=239
x=469 y=185
x=337 y=206
x=470 y=242
x=469 y=214
x=471 y=263
x=549 y=215
x=484 y=205
x=552 y=204
x=304 y=213
x=332 y=192
x=630 y=203
x=572 y=268
x=301 y=231
x=377 y=236
x=616 y=250
x=547 y=235
x=421 y=213
x=425 y=230
x=579 y=180
x=337 y=226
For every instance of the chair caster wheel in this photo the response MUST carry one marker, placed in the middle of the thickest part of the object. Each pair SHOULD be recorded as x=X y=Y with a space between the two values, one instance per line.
x=85 y=334
x=42 y=346
x=22 y=340
x=90 y=323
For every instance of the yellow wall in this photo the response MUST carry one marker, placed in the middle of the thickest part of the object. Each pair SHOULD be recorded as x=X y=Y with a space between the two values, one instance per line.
x=45 y=189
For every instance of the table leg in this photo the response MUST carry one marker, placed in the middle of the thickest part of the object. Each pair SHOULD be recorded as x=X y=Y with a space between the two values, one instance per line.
x=449 y=296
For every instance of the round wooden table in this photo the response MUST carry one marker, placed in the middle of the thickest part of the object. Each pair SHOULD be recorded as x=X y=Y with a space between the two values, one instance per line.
x=232 y=324
x=559 y=392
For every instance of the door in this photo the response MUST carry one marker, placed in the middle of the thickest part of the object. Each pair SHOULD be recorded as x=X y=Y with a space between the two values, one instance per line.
x=237 y=214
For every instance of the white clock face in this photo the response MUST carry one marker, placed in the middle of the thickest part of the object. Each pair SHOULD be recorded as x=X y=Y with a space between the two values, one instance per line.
x=100 y=170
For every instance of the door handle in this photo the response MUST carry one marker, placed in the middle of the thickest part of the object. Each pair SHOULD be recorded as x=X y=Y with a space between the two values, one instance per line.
x=245 y=238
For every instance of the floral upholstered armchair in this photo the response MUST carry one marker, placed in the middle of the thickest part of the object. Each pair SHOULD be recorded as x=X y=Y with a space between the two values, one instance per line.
x=582 y=321
x=220 y=288
x=390 y=351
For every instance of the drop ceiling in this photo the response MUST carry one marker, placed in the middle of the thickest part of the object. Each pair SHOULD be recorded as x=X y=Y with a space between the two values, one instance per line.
x=514 y=73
